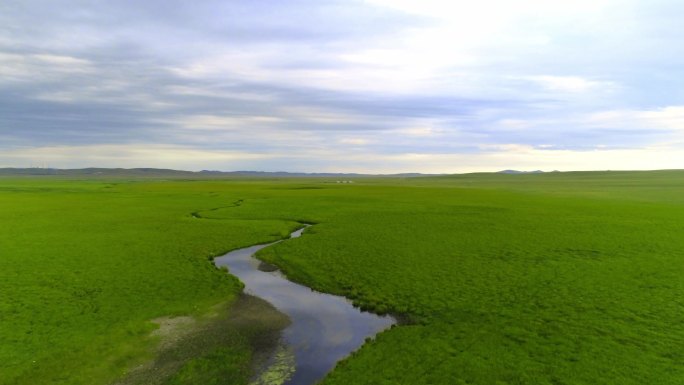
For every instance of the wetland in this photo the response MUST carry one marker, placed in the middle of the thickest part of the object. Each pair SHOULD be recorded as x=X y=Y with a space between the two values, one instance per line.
x=563 y=278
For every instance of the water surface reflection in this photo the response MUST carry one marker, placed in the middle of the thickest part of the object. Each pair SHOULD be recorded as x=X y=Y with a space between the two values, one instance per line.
x=325 y=328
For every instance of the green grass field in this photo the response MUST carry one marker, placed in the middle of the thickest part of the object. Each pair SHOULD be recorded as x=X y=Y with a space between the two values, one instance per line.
x=562 y=278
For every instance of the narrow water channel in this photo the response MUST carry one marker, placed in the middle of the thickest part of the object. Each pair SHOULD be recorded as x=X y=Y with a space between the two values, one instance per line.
x=325 y=328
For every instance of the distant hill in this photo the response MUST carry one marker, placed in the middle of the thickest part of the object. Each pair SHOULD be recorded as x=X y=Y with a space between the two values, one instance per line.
x=520 y=172
x=179 y=174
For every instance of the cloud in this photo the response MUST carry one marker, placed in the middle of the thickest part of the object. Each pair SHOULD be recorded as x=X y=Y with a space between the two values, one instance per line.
x=573 y=84
x=129 y=155
x=344 y=160
x=361 y=85
x=40 y=67
x=354 y=141
x=664 y=119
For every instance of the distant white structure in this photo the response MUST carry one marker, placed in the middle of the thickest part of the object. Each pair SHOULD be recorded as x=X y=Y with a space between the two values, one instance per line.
x=344 y=181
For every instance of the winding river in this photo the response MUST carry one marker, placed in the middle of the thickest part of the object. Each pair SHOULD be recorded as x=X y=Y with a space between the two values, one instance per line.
x=325 y=328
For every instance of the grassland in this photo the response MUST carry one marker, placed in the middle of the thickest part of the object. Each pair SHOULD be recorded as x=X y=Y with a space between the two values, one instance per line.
x=85 y=266
x=563 y=278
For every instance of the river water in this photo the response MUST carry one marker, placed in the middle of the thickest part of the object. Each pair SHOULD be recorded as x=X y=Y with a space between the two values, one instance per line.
x=325 y=328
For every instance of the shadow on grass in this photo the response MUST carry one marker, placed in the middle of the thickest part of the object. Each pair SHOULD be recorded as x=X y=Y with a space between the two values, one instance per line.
x=228 y=347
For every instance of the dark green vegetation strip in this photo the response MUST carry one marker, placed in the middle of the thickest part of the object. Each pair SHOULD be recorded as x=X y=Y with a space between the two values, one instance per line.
x=569 y=278
x=216 y=350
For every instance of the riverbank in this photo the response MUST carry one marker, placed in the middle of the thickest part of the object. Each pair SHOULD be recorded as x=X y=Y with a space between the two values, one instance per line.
x=226 y=346
x=325 y=328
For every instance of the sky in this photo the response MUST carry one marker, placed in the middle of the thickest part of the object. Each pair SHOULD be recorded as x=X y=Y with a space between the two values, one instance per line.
x=377 y=86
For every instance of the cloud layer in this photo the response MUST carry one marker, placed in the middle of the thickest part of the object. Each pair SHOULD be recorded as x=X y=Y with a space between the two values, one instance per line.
x=374 y=86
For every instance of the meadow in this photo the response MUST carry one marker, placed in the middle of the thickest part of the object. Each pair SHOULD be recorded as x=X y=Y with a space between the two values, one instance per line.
x=559 y=278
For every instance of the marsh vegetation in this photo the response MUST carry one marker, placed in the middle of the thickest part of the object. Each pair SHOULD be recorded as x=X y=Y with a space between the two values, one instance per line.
x=324 y=328
x=564 y=278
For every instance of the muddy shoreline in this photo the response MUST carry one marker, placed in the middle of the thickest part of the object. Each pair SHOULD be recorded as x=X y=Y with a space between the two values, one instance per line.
x=248 y=323
x=295 y=335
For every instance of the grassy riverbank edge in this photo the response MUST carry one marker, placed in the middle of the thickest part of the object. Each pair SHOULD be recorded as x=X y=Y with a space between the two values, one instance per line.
x=226 y=345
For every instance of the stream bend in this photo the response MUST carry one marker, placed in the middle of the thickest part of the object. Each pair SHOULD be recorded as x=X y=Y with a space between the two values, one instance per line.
x=325 y=328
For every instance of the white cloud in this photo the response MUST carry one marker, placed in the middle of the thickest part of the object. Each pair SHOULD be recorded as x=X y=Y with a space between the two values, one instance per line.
x=499 y=10
x=341 y=159
x=664 y=118
x=522 y=157
x=509 y=78
x=219 y=122
x=319 y=115
x=218 y=93
x=354 y=141
x=417 y=131
x=41 y=67
x=572 y=84
x=63 y=61
x=129 y=155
